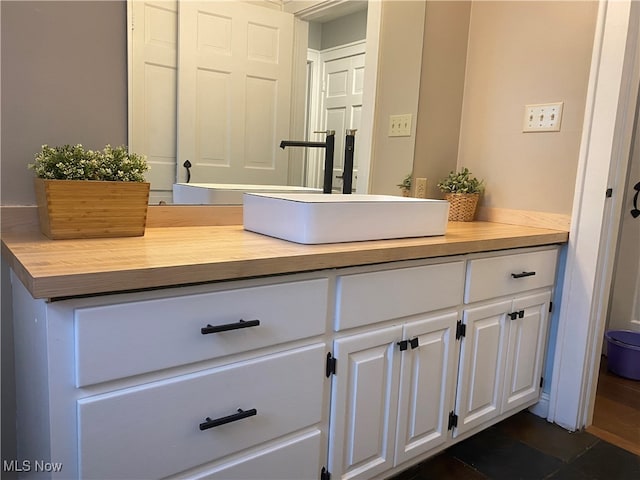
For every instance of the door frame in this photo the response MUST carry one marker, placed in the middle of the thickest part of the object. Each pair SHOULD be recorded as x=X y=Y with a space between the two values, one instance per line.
x=306 y=11
x=603 y=161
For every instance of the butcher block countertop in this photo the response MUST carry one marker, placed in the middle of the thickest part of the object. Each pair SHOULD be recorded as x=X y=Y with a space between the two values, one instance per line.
x=173 y=256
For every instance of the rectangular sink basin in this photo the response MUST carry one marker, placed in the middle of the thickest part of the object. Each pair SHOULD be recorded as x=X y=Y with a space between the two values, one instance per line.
x=318 y=218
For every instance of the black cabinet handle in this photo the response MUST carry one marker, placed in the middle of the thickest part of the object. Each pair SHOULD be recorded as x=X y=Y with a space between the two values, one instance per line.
x=523 y=274
x=216 y=422
x=229 y=326
x=512 y=315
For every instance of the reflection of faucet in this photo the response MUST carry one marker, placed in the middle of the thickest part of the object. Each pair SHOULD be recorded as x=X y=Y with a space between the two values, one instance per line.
x=328 y=145
x=349 y=148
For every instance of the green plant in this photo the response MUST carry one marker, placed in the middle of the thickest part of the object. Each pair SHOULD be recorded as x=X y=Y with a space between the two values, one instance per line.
x=73 y=162
x=406 y=182
x=461 y=182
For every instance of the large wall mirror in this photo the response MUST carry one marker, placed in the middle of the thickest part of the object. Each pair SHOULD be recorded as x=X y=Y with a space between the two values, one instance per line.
x=221 y=83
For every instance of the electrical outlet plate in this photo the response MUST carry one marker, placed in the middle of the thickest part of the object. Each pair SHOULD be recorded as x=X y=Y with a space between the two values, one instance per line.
x=543 y=117
x=421 y=188
x=400 y=125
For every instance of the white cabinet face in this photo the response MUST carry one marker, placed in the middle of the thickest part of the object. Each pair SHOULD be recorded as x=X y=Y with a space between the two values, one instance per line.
x=296 y=458
x=502 y=356
x=481 y=370
x=364 y=404
x=188 y=418
x=527 y=342
x=427 y=383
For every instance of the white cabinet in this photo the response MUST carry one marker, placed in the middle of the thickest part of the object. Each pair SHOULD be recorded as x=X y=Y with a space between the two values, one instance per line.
x=427 y=383
x=205 y=416
x=525 y=353
x=503 y=340
x=482 y=354
x=393 y=386
x=364 y=403
x=118 y=340
x=422 y=362
x=174 y=383
x=233 y=380
x=392 y=392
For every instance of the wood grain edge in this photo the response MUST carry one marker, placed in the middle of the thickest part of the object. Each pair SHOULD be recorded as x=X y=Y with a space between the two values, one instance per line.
x=193 y=215
x=25 y=217
x=554 y=221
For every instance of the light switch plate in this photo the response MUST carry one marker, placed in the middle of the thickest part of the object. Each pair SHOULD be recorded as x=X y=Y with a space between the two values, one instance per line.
x=400 y=125
x=543 y=117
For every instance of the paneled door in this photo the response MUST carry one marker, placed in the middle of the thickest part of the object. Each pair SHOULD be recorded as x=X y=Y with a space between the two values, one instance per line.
x=427 y=385
x=234 y=87
x=343 y=85
x=525 y=353
x=152 y=98
x=364 y=404
x=482 y=364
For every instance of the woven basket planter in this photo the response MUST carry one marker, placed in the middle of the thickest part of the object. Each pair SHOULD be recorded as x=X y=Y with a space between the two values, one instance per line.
x=70 y=209
x=462 y=206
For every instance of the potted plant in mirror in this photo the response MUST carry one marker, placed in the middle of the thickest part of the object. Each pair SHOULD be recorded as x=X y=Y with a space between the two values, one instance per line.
x=405 y=186
x=90 y=194
x=462 y=190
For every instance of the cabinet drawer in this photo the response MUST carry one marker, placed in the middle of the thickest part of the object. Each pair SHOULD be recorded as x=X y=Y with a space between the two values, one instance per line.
x=509 y=274
x=117 y=341
x=153 y=431
x=296 y=459
x=367 y=298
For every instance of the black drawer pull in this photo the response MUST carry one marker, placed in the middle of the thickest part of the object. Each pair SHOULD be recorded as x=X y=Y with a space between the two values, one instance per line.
x=229 y=326
x=523 y=274
x=216 y=422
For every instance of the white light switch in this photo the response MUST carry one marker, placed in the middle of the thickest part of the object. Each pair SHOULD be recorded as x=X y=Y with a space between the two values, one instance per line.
x=400 y=125
x=544 y=117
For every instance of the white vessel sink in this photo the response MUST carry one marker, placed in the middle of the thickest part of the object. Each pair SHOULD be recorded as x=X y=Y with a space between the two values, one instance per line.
x=318 y=218
x=226 y=193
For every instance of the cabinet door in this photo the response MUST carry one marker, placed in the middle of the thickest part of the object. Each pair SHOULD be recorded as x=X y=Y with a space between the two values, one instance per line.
x=482 y=357
x=364 y=404
x=525 y=353
x=427 y=376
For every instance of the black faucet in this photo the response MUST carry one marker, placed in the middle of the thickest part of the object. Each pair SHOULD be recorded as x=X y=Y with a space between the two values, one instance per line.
x=349 y=148
x=328 y=145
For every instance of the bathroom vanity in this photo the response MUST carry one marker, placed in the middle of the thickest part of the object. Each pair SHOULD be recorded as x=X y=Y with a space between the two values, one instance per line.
x=214 y=352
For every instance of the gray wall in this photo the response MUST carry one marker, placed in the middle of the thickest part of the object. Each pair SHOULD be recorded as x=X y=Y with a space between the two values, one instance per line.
x=343 y=30
x=64 y=80
x=444 y=58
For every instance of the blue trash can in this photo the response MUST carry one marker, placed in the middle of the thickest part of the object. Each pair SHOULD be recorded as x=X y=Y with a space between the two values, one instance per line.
x=623 y=353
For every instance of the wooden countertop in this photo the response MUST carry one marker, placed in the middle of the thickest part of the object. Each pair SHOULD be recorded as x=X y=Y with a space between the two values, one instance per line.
x=184 y=255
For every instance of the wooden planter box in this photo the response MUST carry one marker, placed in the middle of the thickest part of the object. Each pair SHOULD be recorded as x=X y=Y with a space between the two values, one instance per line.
x=91 y=209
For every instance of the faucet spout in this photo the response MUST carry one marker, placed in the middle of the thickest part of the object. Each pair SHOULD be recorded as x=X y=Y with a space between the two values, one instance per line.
x=298 y=143
x=329 y=146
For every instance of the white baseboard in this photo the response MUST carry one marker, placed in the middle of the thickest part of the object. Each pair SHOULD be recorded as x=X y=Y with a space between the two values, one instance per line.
x=541 y=409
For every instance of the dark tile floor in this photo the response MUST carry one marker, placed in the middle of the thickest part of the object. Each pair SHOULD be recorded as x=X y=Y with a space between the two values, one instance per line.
x=528 y=447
